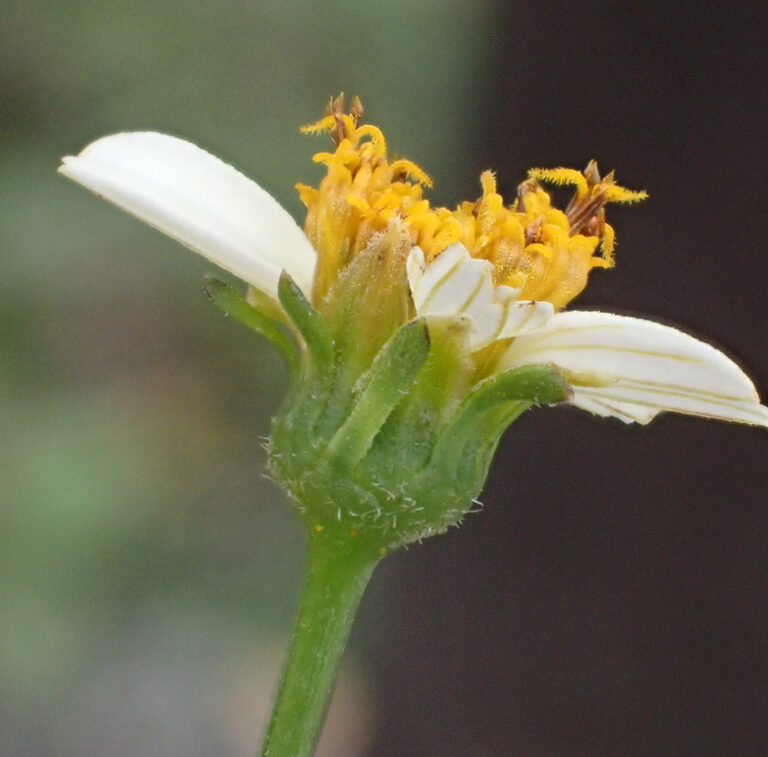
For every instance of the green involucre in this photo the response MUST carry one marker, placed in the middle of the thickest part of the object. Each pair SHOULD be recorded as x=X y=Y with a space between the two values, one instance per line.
x=398 y=452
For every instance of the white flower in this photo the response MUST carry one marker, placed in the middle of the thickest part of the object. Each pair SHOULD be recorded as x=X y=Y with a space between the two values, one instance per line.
x=623 y=367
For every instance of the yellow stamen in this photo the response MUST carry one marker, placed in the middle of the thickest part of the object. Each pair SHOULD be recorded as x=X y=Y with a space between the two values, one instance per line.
x=541 y=249
x=379 y=143
x=360 y=204
x=318 y=127
x=307 y=194
x=615 y=193
x=608 y=244
x=411 y=170
x=561 y=177
x=533 y=246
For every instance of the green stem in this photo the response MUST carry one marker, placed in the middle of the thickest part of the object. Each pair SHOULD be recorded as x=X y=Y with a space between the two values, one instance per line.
x=335 y=581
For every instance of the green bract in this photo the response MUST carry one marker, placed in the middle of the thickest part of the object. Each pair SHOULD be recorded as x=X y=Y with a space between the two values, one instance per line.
x=394 y=452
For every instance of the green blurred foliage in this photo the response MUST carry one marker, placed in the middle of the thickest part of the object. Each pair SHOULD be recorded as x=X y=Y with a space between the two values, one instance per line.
x=138 y=532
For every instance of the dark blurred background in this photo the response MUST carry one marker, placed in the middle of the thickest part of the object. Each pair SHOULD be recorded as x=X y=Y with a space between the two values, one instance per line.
x=609 y=600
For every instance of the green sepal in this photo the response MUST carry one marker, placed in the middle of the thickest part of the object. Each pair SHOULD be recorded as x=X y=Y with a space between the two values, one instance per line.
x=307 y=321
x=466 y=444
x=234 y=305
x=304 y=415
x=491 y=399
x=390 y=377
x=406 y=441
x=537 y=384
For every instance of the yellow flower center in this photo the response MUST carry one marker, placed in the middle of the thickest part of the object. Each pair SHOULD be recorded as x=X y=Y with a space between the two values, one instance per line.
x=542 y=250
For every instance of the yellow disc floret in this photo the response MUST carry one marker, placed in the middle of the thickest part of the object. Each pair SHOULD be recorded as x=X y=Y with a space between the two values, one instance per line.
x=545 y=252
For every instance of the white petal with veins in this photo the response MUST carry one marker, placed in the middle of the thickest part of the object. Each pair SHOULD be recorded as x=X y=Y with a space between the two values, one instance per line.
x=457 y=285
x=633 y=369
x=526 y=316
x=200 y=201
x=621 y=410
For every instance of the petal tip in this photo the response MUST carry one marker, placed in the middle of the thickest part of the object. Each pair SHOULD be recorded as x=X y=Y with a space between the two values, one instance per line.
x=66 y=164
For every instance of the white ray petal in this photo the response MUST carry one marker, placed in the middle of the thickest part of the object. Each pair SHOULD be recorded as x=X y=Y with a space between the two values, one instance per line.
x=447 y=284
x=633 y=369
x=642 y=403
x=525 y=316
x=200 y=201
x=607 y=408
x=415 y=267
x=456 y=285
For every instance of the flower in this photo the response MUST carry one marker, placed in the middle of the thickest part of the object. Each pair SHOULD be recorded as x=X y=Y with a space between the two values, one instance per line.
x=415 y=336
x=503 y=271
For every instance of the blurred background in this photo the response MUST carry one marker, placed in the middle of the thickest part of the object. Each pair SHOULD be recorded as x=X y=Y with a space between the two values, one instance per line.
x=611 y=598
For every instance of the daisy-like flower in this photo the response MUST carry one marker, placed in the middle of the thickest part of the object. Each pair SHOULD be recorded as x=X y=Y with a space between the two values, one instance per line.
x=506 y=270
x=415 y=335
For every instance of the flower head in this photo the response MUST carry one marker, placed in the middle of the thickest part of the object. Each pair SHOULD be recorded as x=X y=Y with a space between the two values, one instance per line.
x=540 y=251
x=417 y=333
